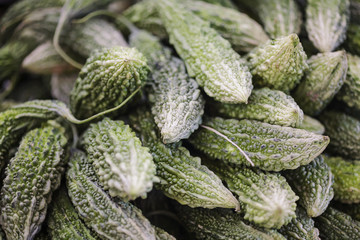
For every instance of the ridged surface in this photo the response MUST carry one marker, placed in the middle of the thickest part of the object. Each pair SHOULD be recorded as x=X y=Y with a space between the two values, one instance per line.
x=162 y=235
x=323 y=79
x=182 y=177
x=278 y=64
x=312 y=125
x=270 y=147
x=108 y=219
x=313 y=183
x=31 y=177
x=208 y=57
x=124 y=167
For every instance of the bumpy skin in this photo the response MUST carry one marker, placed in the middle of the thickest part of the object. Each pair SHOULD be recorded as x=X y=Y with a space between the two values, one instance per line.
x=312 y=125
x=351 y=209
x=353 y=38
x=313 y=183
x=108 y=219
x=270 y=147
x=63 y=222
x=208 y=57
x=334 y=224
x=278 y=64
x=162 y=235
x=266 y=198
x=182 y=177
x=224 y=3
x=350 y=91
x=31 y=177
x=107 y=79
x=300 y=228
x=123 y=166
x=323 y=79
x=222 y=224
x=326 y=23
x=347 y=181
x=344 y=132
x=266 y=105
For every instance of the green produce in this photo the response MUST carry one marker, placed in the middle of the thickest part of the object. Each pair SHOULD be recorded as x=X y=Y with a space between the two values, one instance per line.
x=124 y=167
x=270 y=147
x=278 y=64
x=326 y=23
x=313 y=183
x=31 y=177
x=300 y=228
x=208 y=57
x=312 y=125
x=334 y=224
x=344 y=132
x=323 y=79
x=108 y=219
x=266 y=105
x=162 y=235
x=355 y=11
x=182 y=177
x=224 y=3
x=108 y=77
x=347 y=179
x=353 y=39
x=351 y=209
x=266 y=198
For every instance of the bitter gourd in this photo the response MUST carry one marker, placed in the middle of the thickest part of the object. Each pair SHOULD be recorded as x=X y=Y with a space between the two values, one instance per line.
x=124 y=167
x=63 y=222
x=347 y=179
x=326 y=23
x=278 y=64
x=162 y=235
x=208 y=57
x=31 y=177
x=344 y=132
x=350 y=91
x=270 y=147
x=351 y=209
x=300 y=228
x=334 y=225
x=312 y=125
x=266 y=105
x=108 y=77
x=323 y=79
x=353 y=39
x=110 y=220
x=266 y=198
x=313 y=183
x=224 y=3
x=182 y=177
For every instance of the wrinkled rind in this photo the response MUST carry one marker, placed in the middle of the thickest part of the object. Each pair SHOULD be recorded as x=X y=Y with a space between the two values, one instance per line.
x=108 y=219
x=31 y=177
x=266 y=198
x=334 y=224
x=124 y=167
x=313 y=183
x=326 y=23
x=300 y=228
x=312 y=125
x=208 y=57
x=350 y=91
x=278 y=64
x=162 y=235
x=222 y=224
x=182 y=177
x=270 y=147
x=107 y=79
x=347 y=179
x=344 y=132
x=266 y=105
x=323 y=79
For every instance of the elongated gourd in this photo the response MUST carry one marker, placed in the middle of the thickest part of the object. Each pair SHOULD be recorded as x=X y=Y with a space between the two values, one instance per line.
x=109 y=219
x=323 y=79
x=266 y=105
x=270 y=147
x=266 y=198
x=326 y=23
x=313 y=183
x=312 y=125
x=124 y=167
x=31 y=177
x=208 y=57
x=278 y=64
x=344 y=132
x=182 y=177
x=108 y=77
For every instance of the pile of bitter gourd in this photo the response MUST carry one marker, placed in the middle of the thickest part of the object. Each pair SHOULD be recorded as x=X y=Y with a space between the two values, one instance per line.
x=167 y=119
